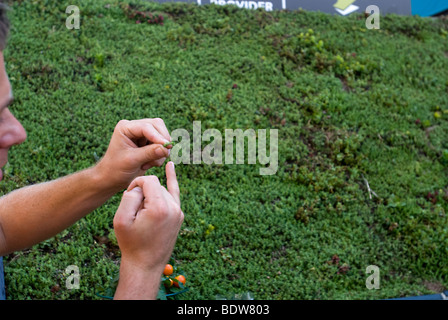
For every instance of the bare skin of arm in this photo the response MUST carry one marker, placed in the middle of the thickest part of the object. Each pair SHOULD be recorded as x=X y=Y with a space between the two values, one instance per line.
x=35 y=213
x=146 y=224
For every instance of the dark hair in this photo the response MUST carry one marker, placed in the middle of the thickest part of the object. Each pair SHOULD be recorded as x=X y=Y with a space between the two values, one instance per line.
x=4 y=25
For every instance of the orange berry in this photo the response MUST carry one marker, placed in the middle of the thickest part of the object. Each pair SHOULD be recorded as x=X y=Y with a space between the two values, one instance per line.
x=179 y=278
x=168 y=270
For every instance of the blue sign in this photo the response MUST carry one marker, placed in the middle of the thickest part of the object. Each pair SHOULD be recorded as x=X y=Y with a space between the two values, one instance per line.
x=341 y=7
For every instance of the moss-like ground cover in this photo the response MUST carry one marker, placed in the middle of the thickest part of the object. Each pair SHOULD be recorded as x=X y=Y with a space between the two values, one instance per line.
x=352 y=106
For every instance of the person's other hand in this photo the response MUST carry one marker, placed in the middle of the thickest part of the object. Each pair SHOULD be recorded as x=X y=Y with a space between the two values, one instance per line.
x=148 y=221
x=135 y=147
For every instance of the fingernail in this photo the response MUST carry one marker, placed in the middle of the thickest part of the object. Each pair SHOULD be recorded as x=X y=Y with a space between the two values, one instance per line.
x=160 y=152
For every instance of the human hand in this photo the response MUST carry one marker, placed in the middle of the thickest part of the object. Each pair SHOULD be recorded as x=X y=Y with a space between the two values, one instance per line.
x=147 y=222
x=135 y=147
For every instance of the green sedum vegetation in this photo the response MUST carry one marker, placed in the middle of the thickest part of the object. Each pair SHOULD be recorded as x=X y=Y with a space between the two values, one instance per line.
x=353 y=107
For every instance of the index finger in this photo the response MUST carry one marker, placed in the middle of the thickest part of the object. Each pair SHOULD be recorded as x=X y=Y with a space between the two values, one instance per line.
x=159 y=124
x=138 y=129
x=149 y=184
x=171 y=182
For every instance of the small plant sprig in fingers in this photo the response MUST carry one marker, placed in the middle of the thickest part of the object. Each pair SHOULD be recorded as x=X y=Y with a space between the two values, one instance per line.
x=171 y=143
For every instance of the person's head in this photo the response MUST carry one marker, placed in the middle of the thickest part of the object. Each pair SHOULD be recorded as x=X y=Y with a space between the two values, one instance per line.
x=11 y=131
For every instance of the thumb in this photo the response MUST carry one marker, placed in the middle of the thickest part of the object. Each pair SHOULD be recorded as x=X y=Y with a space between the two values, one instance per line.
x=129 y=206
x=151 y=152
